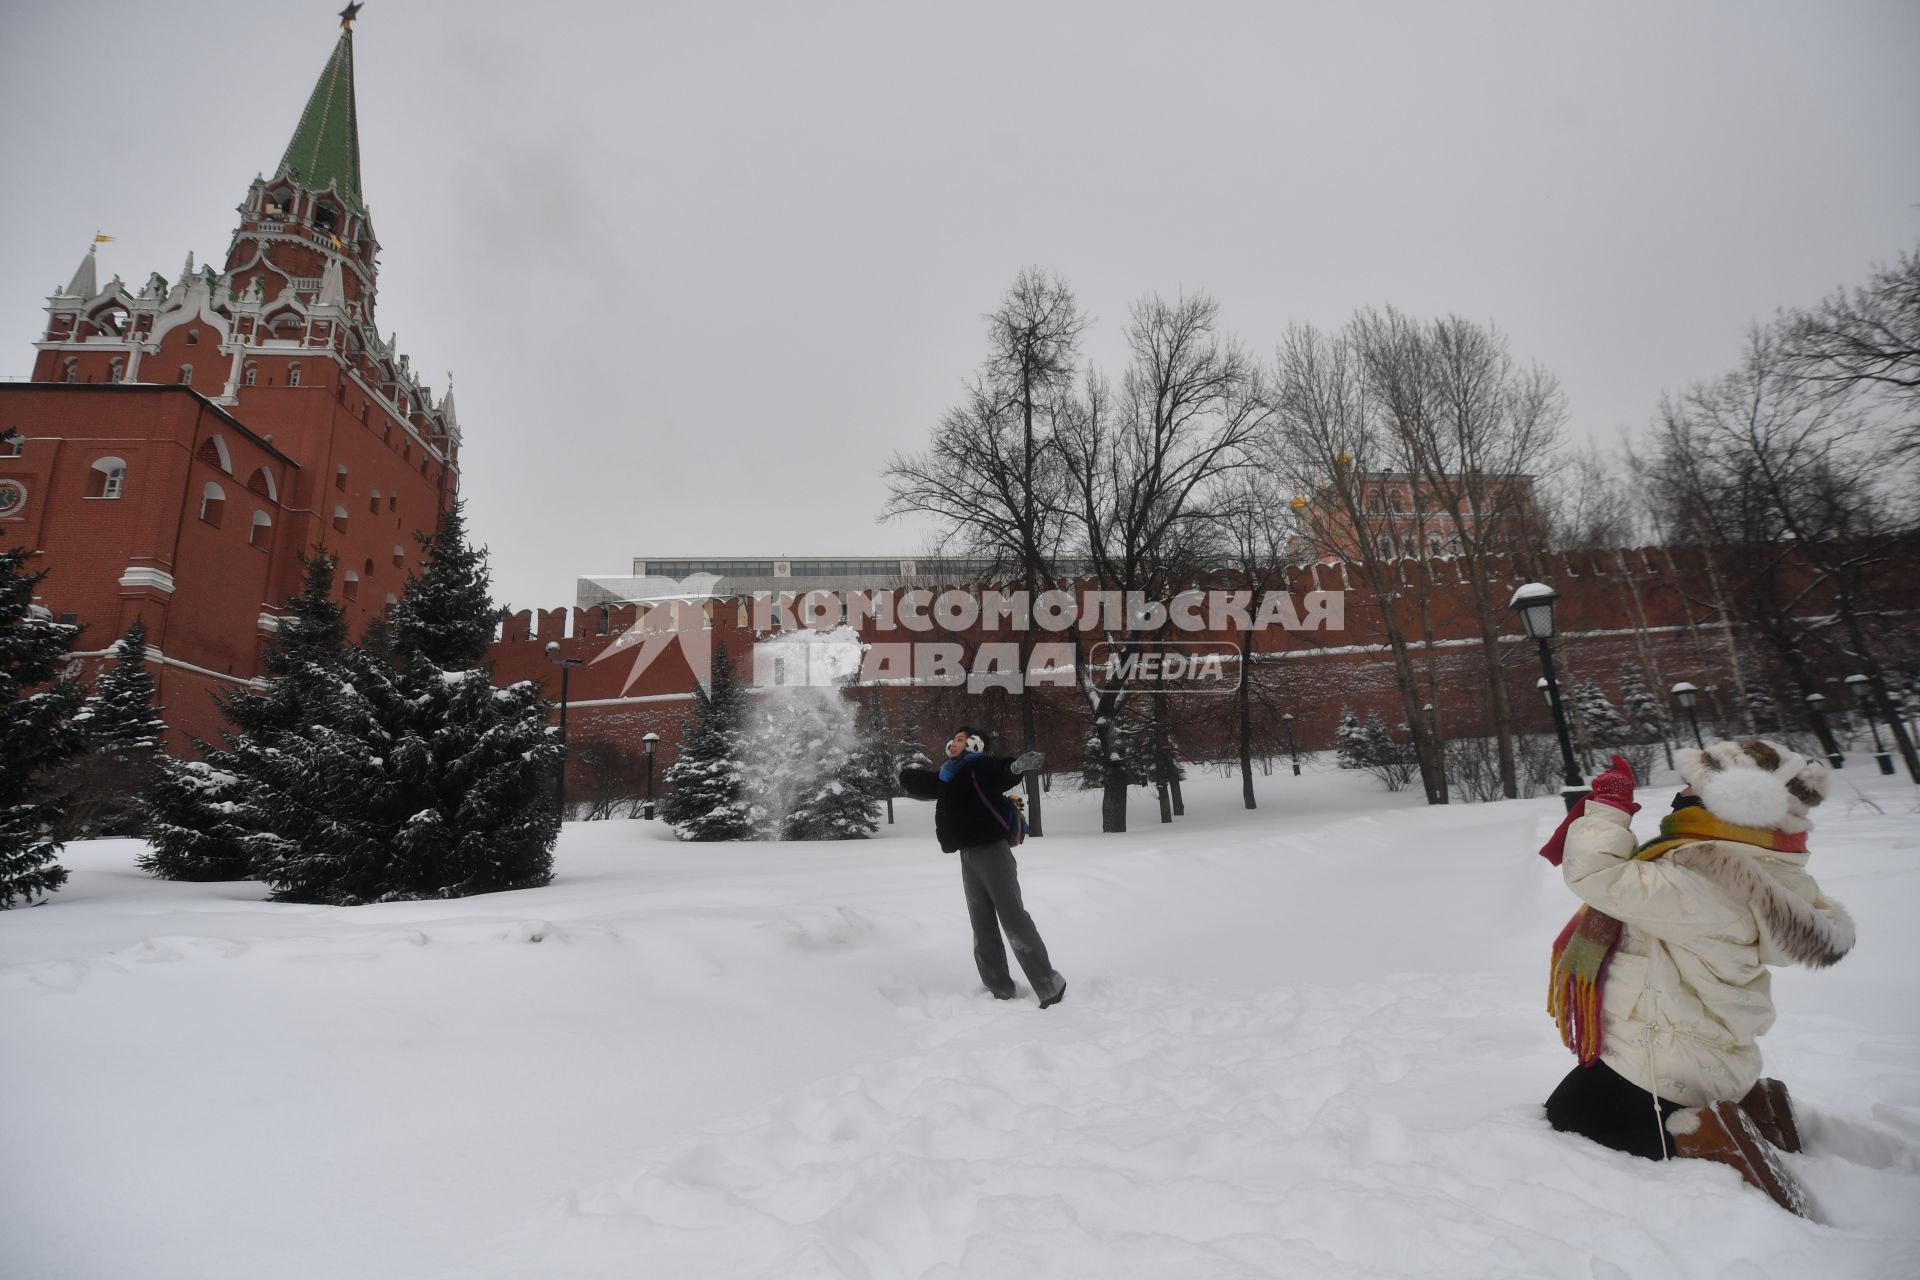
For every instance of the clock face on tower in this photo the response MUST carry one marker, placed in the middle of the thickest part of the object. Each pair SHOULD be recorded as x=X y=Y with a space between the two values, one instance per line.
x=13 y=497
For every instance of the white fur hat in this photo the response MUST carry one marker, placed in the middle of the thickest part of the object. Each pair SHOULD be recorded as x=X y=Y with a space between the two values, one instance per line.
x=1755 y=783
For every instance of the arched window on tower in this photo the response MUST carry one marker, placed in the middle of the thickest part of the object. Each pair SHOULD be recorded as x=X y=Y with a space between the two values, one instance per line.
x=373 y=503
x=186 y=375
x=107 y=478
x=261 y=531
x=340 y=477
x=399 y=556
x=71 y=371
x=213 y=503
x=340 y=519
x=262 y=483
x=350 y=586
x=293 y=375
x=250 y=376
x=117 y=371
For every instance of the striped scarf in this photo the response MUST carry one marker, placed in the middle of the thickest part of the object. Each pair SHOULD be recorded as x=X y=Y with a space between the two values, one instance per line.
x=1582 y=951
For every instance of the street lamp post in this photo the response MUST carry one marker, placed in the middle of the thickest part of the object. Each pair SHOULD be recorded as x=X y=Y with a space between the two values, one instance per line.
x=1817 y=708
x=1686 y=695
x=566 y=666
x=649 y=741
x=1292 y=750
x=1534 y=603
x=1863 y=694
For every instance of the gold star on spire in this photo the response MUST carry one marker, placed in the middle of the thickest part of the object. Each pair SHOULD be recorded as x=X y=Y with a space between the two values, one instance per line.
x=348 y=14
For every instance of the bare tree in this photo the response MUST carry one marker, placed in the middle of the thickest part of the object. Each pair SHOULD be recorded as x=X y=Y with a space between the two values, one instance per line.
x=1142 y=467
x=1591 y=500
x=992 y=475
x=1254 y=530
x=1865 y=339
x=1786 y=486
x=1327 y=430
x=1475 y=427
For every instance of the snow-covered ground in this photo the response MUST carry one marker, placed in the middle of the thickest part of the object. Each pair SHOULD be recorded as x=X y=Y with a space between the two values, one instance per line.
x=1305 y=1041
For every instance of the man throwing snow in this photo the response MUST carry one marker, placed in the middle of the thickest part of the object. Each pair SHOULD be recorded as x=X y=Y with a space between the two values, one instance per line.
x=972 y=815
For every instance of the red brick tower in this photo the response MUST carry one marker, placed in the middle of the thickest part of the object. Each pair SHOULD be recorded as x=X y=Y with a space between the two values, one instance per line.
x=181 y=447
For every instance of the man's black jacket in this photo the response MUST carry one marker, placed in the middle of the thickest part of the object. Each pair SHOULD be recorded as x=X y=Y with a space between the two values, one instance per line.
x=962 y=816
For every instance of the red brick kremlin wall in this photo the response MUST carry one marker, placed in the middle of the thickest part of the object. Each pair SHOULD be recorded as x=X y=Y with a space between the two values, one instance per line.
x=1650 y=606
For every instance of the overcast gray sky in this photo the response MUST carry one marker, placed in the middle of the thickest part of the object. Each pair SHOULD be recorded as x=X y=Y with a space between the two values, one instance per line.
x=699 y=269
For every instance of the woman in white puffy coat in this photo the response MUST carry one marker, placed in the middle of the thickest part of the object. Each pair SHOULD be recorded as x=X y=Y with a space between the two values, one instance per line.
x=1682 y=993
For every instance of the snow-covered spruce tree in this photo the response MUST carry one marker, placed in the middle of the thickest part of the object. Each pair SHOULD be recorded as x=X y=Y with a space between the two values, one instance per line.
x=198 y=821
x=1763 y=710
x=1350 y=741
x=318 y=802
x=427 y=784
x=909 y=750
x=479 y=814
x=37 y=735
x=301 y=661
x=1390 y=761
x=706 y=797
x=1646 y=719
x=124 y=735
x=446 y=614
x=193 y=825
x=836 y=796
x=1135 y=741
x=1606 y=728
x=421 y=782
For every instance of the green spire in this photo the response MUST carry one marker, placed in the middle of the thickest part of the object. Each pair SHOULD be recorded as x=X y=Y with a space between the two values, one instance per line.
x=326 y=145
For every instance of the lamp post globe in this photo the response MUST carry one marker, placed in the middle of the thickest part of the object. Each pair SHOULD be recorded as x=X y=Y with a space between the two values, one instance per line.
x=649 y=740
x=1534 y=602
x=1686 y=694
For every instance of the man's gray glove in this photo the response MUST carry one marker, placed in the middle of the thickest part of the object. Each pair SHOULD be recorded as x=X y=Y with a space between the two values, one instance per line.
x=1028 y=761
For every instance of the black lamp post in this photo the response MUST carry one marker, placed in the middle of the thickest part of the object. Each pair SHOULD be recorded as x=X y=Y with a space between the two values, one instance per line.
x=566 y=666
x=1292 y=750
x=1686 y=695
x=1863 y=694
x=1534 y=603
x=649 y=741
x=1817 y=708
